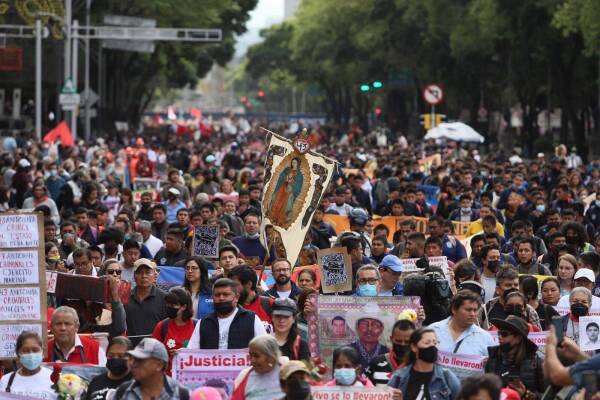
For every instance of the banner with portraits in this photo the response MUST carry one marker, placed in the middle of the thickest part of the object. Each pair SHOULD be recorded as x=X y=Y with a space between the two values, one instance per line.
x=364 y=323
x=295 y=180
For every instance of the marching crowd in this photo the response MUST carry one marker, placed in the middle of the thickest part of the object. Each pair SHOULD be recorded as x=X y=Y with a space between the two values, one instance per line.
x=528 y=263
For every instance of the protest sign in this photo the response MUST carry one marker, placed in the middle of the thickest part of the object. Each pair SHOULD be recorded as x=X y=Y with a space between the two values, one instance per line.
x=10 y=396
x=364 y=323
x=539 y=338
x=206 y=241
x=410 y=264
x=218 y=368
x=81 y=287
x=350 y=393
x=141 y=185
x=22 y=279
x=593 y=311
x=84 y=371
x=336 y=269
x=51 y=277
x=589 y=332
x=462 y=365
x=169 y=277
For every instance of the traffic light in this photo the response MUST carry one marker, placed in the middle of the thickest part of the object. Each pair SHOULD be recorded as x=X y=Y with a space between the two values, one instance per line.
x=365 y=88
x=243 y=99
x=377 y=85
x=426 y=122
x=261 y=94
x=378 y=111
x=248 y=104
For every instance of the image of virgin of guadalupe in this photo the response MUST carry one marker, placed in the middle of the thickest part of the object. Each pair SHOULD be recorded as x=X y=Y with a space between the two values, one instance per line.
x=287 y=189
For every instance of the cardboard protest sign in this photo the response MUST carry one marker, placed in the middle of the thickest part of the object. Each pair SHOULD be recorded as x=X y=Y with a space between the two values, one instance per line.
x=217 y=368
x=589 y=333
x=336 y=269
x=350 y=393
x=364 y=323
x=22 y=279
x=206 y=241
x=462 y=365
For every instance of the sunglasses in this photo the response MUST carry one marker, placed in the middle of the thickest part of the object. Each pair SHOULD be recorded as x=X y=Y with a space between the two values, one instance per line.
x=505 y=333
x=113 y=272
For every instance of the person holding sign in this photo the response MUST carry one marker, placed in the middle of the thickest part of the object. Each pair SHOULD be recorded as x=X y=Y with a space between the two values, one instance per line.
x=515 y=359
x=424 y=378
x=30 y=379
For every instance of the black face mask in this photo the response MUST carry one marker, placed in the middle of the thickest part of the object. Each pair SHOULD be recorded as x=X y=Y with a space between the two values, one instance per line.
x=172 y=312
x=400 y=350
x=493 y=266
x=514 y=309
x=224 y=308
x=117 y=366
x=428 y=354
x=298 y=390
x=572 y=239
x=505 y=347
x=579 y=310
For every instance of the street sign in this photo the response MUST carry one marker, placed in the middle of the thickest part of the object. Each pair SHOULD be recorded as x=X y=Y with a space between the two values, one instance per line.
x=69 y=101
x=93 y=113
x=433 y=94
x=92 y=97
x=68 y=87
x=128 y=45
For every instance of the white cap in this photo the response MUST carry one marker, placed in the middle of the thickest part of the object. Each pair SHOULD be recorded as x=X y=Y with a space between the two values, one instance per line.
x=585 y=273
x=174 y=191
x=24 y=163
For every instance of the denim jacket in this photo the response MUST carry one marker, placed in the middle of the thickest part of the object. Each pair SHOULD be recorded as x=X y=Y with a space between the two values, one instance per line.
x=444 y=384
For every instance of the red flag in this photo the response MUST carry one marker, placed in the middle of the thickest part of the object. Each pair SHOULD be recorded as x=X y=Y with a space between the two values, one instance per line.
x=62 y=132
x=195 y=113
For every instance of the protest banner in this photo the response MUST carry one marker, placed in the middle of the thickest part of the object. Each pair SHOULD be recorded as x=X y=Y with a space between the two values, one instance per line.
x=462 y=365
x=339 y=223
x=594 y=311
x=350 y=393
x=169 y=277
x=206 y=241
x=84 y=371
x=218 y=368
x=81 y=287
x=10 y=396
x=589 y=333
x=539 y=338
x=141 y=185
x=22 y=279
x=336 y=269
x=364 y=323
x=410 y=264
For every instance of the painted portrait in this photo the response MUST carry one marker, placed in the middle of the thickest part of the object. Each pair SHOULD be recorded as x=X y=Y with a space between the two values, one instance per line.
x=287 y=191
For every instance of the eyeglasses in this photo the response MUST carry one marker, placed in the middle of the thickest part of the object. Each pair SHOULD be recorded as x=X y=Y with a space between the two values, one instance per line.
x=192 y=268
x=505 y=333
x=372 y=281
x=113 y=272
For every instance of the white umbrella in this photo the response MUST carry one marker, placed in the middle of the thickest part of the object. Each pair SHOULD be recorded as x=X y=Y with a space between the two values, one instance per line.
x=454 y=131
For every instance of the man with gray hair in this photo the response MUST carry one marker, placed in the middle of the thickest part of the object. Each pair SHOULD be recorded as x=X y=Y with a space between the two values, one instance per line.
x=67 y=345
x=148 y=367
x=368 y=279
x=152 y=243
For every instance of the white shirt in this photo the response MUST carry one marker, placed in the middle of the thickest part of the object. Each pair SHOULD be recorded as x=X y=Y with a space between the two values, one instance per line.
x=344 y=209
x=38 y=385
x=284 y=295
x=263 y=386
x=489 y=284
x=224 y=324
x=565 y=303
x=153 y=244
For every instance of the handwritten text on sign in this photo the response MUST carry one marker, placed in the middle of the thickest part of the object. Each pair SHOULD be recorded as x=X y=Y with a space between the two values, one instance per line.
x=20 y=304
x=9 y=335
x=19 y=231
x=19 y=267
x=350 y=393
x=193 y=368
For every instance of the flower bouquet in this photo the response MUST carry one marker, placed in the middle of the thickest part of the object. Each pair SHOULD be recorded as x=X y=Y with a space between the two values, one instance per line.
x=68 y=386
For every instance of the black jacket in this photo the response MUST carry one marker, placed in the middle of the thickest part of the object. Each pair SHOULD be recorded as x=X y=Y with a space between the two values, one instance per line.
x=530 y=370
x=241 y=331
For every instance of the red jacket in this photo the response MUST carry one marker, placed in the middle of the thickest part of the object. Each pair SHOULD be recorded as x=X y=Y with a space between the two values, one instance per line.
x=87 y=353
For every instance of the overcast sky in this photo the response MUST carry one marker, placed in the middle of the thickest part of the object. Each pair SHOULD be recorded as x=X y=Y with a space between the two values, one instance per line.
x=266 y=13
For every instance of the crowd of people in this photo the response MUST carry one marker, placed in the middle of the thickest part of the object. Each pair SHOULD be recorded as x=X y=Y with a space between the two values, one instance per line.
x=528 y=263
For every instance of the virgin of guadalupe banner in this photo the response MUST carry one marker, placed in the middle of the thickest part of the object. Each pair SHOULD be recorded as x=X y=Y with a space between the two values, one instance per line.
x=295 y=180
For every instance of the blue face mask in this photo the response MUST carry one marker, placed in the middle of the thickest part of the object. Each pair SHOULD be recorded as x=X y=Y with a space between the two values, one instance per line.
x=540 y=207
x=344 y=376
x=367 y=289
x=31 y=361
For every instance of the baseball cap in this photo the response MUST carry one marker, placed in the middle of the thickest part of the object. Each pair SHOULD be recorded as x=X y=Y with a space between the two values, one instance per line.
x=143 y=262
x=150 y=348
x=174 y=191
x=285 y=307
x=288 y=369
x=210 y=158
x=24 y=163
x=392 y=262
x=585 y=273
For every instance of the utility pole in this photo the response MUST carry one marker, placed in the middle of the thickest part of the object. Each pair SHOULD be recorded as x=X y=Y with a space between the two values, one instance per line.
x=38 y=78
x=86 y=94
x=67 y=55
x=75 y=74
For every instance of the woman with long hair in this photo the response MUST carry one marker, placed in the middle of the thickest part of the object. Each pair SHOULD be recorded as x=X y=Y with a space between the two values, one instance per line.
x=550 y=291
x=285 y=330
x=567 y=266
x=423 y=377
x=196 y=282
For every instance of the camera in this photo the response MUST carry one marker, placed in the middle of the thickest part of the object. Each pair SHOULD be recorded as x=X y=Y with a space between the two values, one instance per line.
x=430 y=285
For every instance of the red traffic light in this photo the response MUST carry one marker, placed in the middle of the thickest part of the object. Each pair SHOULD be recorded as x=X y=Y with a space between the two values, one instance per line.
x=261 y=93
x=248 y=104
x=243 y=99
x=378 y=111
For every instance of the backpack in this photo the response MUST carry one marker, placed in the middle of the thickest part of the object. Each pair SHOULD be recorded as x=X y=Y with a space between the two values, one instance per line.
x=184 y=393
x=164 y=328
